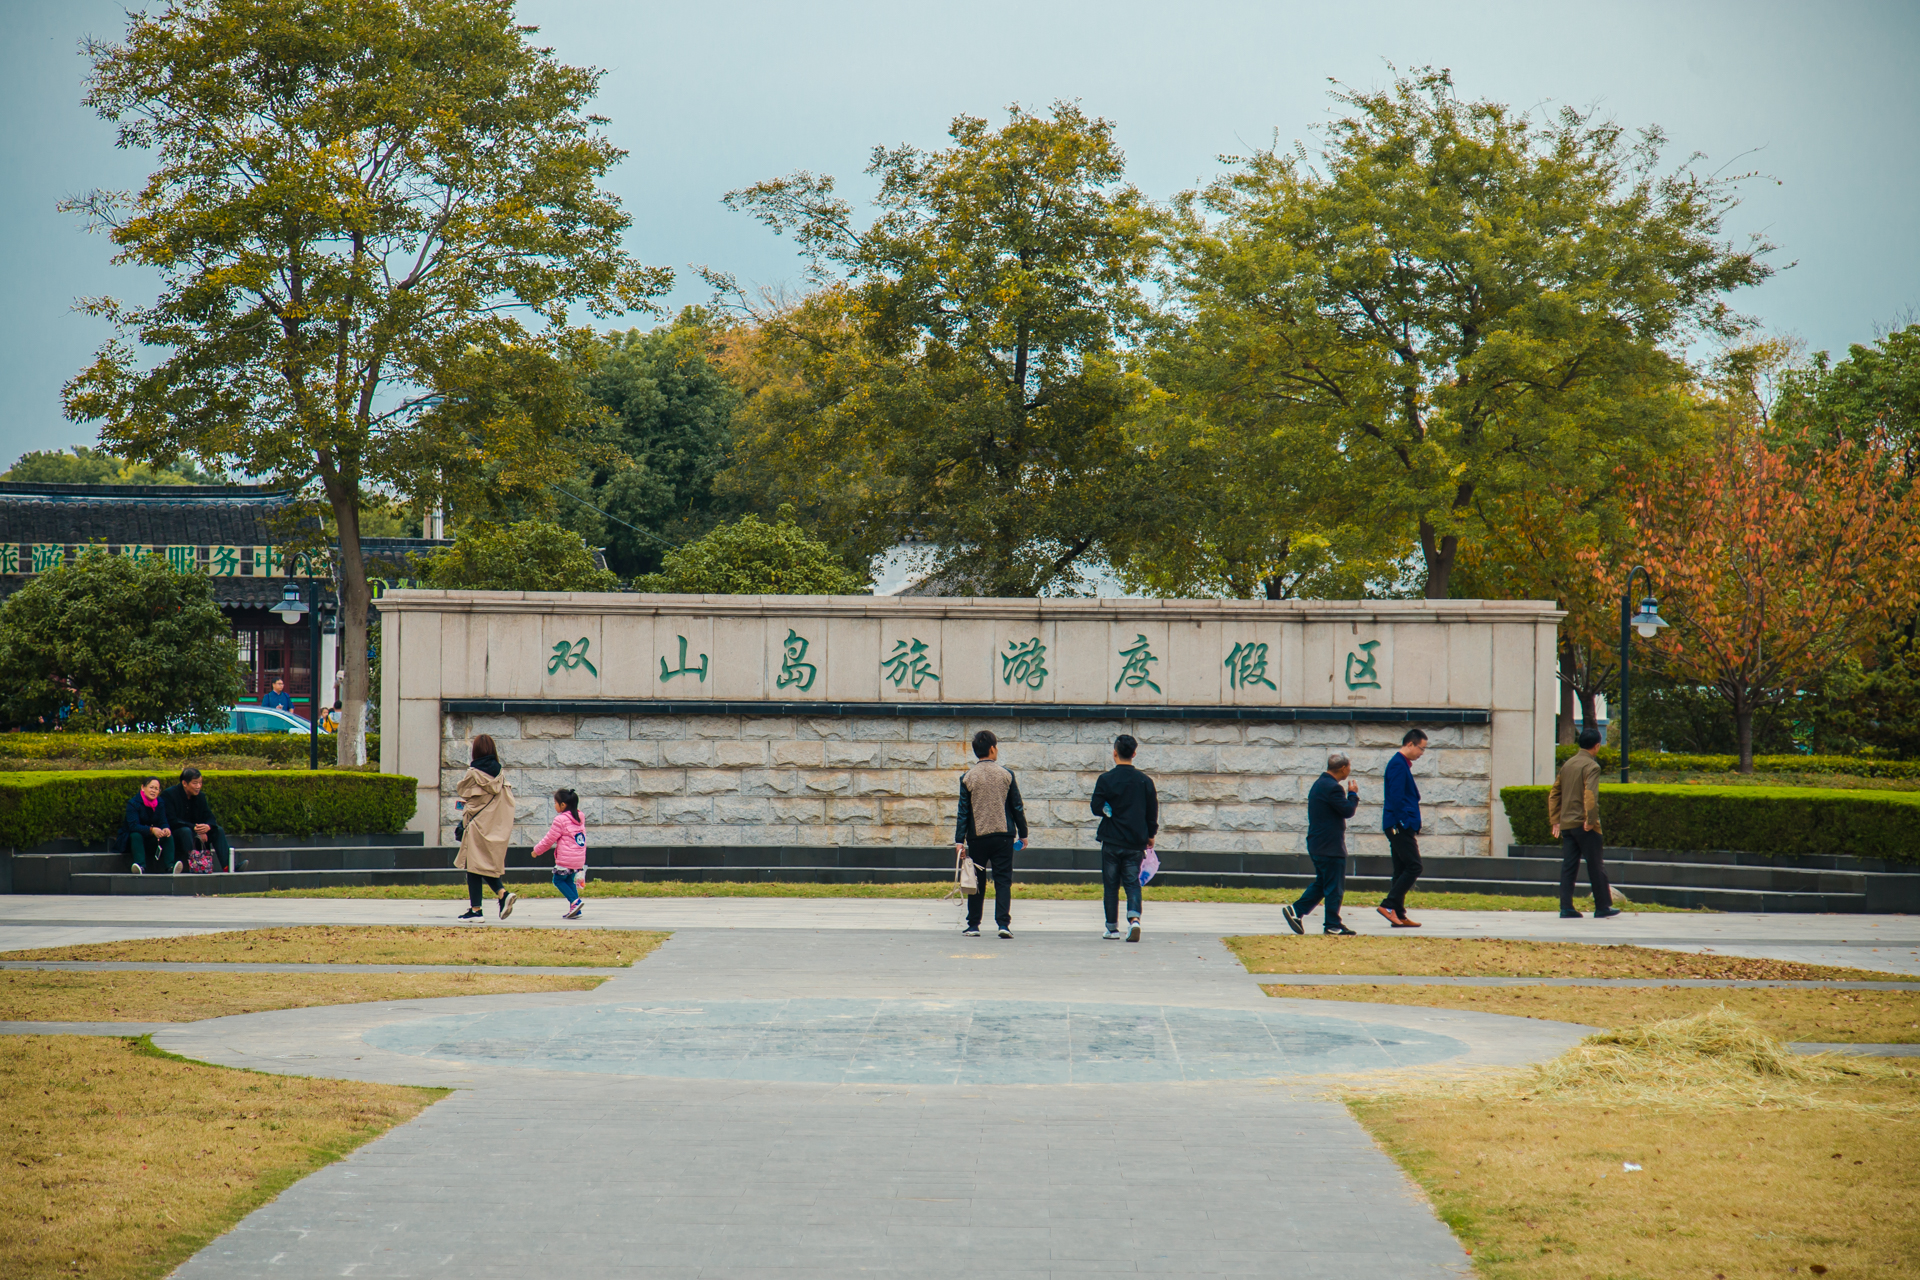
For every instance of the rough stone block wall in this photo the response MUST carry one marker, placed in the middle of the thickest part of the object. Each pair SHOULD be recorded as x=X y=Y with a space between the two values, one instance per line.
x=890 y=781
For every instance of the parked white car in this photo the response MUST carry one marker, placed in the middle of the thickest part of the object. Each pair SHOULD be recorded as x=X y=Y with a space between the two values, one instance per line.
x=253 y=718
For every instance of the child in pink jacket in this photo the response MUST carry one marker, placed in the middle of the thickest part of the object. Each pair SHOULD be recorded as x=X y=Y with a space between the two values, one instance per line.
x=567 y=837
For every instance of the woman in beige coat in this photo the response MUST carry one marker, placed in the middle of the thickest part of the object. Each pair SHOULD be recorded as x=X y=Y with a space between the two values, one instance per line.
x=488 y=815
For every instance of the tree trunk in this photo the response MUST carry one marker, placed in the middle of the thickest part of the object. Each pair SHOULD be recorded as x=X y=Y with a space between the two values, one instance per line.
x=1439 y=553
x=1743 y=725
x=1589 y=708
x=1566 y=692
x=355 y=598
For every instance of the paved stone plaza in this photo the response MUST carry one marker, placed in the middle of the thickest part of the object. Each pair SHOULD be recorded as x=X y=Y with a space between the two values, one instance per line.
x=837 y=1087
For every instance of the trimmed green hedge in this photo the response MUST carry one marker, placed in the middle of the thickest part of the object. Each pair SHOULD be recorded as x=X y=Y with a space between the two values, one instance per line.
x=39 y=806
x=1670 y=761
x=1788 y=821
x=280 y=748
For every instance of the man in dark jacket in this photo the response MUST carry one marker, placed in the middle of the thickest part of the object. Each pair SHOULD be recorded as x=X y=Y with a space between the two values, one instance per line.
x=191 y=818
x=1330 y=802
x=990 y=814
x=1129 y=811
x=1400 y=819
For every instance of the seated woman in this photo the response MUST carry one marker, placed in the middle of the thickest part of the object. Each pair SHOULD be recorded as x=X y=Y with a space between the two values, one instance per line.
x=144 y=835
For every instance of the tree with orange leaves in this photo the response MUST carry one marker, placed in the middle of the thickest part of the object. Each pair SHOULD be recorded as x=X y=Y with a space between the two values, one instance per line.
x=1775 y=553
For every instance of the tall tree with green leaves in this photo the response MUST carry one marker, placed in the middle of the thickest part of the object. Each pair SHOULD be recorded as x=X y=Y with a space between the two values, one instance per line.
x=956 y=379
x=671 y=411
x=1452 y=306
x=369 y=220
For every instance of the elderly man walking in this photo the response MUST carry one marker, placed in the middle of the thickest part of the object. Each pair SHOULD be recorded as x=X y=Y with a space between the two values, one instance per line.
x=1573 y=807
x=990 y=814
x=1330 y=802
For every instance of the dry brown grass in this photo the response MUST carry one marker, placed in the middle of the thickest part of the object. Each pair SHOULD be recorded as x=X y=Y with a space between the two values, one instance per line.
x=1824 y=1017
x=119 y=1162
x=374 y=944
x=1753 y=1162
x=1489 y=958
x=57 y=995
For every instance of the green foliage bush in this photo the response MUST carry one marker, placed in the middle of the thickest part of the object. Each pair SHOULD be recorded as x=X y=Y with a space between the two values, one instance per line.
x=37 y=807
x=280 y=748
x=1849 y=766
x=751 y=558
x=109 y=642
x=527 y=555
x=1786 y=821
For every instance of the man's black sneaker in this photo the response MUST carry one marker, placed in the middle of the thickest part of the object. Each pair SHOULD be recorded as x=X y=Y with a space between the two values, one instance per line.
x=971 y=931
x=1610 y=911
x=472 y=913
x=1340 y=931
x=1292 y=918
x=1005 y=932
x=1568 y=913
x=506 y=904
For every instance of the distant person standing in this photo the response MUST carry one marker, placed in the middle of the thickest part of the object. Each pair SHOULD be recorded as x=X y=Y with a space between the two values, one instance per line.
x=1331 y=800
x=1573 y=807
x=1128 y=806
x=1400 y=819
x=990 y=814
x=278 y=698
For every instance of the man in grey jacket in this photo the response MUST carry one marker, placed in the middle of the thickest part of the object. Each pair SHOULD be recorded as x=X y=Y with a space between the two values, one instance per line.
x=990 y=814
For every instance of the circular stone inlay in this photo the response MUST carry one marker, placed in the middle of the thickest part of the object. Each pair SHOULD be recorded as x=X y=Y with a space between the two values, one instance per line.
x=917 y=1041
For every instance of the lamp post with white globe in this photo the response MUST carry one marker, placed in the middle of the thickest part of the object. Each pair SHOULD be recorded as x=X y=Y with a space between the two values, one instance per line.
x=1648 y=623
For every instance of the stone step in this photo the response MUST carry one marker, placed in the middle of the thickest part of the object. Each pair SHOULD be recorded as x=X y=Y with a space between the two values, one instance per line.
x=1362 y=890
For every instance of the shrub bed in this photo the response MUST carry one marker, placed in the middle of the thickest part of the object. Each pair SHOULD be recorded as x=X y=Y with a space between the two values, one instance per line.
x=281 y=748
x=37 y=807
x=1849 y=766
x=1789 y=821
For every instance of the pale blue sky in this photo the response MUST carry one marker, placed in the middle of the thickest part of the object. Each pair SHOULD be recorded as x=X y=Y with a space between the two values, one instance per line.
x=714 y=95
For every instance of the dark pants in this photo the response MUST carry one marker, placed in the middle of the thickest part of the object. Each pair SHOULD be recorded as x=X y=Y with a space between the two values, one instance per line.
x=153 y=852
x=1329 y=883
x=1120 y=867
x=473 y=887
x=994 y=854
x=1405 y=848
x=215 y=839
x=1575 y=844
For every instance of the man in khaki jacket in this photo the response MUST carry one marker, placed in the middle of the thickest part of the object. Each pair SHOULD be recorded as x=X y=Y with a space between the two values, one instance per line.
x=1573 y=807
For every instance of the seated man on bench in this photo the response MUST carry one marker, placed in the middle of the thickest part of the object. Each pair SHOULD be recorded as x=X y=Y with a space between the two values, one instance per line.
x=194 y=829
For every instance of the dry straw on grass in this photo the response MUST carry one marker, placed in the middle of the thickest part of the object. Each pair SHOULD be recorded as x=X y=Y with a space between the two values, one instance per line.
x=1694 y=1147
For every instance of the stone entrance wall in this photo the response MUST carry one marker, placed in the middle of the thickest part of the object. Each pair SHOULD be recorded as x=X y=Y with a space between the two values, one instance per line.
x=851 y=781
x=843 y=720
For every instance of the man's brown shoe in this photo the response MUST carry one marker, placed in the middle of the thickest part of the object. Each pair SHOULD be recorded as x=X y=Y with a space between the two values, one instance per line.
x=1392 y=917
x=1404 y=923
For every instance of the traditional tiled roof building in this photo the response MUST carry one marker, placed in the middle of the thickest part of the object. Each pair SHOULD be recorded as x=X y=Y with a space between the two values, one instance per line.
x=236 y=534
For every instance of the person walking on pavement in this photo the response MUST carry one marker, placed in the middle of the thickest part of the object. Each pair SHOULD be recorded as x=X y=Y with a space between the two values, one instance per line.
x=1331 y=800
x=1128 y=807
x=1573 y=807
x=990 y=813
x=1400 y=819
x=486 y=825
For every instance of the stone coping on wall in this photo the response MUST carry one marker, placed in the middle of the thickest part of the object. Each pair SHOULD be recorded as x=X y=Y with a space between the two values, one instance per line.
x=1059 y=608
x=962 y=710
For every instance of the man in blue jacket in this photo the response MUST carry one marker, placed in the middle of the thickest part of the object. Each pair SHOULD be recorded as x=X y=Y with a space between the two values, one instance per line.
x=1400 y=819
x=1330 y=802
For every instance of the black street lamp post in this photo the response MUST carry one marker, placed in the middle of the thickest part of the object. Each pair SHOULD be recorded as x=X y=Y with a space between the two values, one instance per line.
x=291 y=608
x=1648 y=623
